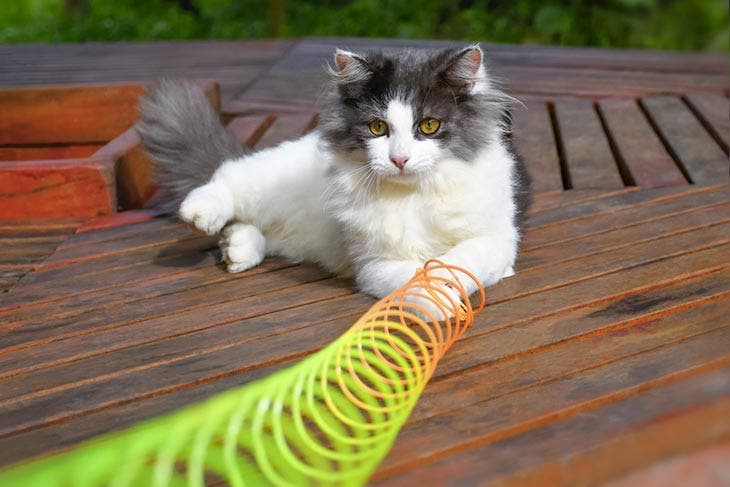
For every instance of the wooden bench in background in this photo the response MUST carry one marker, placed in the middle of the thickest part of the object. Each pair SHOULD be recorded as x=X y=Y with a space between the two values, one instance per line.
x=608 y=352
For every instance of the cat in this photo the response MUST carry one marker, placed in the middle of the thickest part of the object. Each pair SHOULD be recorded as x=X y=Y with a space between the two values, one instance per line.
x=411 y=160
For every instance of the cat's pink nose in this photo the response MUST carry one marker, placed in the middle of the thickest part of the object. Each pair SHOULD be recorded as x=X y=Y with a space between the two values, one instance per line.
x=399 y=161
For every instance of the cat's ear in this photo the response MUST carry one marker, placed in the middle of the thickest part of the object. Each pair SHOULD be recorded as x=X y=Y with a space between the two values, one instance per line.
x=349 y=67
x=465 y=68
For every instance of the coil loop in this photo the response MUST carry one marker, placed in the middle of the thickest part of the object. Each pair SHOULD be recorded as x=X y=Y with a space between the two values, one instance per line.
x=328 y=420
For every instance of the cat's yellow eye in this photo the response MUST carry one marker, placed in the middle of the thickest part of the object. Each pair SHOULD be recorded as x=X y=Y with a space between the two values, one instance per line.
x=429 y=126
x=378 y=127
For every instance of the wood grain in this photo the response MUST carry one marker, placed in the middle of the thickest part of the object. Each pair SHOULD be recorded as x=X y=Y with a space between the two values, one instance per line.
x=699 y=154
x=587 y=152
x=56 y=189
x=641 y=152
x=535 y=142
x=31 y=153
x=582 y=449
x=58 y=114
x=713 y=109
x=496 y=419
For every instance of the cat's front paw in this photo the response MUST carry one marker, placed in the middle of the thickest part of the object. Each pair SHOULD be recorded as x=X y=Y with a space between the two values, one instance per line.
x=243 y=247
x=438 y=302
x=208 y=208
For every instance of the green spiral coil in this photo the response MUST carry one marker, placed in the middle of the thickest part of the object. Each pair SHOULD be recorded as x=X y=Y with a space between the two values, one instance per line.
x=328 y=420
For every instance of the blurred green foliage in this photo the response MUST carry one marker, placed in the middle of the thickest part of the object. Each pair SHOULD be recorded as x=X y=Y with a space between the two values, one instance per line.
x=658 y=24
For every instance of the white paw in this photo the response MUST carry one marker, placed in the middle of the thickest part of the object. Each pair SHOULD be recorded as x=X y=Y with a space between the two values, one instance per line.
x=439 y=302
x=208 y=208
x=243 y=247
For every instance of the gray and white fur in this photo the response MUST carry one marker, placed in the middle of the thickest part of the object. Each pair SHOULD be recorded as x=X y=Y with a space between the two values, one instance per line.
x=374 y=191
x=184 y=137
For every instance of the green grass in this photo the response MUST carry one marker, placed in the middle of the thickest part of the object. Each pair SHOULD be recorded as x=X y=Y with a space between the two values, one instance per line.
x=656 y=24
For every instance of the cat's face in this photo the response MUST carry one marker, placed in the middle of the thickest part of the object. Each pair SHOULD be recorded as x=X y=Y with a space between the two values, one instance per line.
x=402 y=113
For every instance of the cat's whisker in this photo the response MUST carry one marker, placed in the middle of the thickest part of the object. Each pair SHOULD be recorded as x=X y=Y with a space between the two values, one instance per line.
x=362 y=182
x=336 y=182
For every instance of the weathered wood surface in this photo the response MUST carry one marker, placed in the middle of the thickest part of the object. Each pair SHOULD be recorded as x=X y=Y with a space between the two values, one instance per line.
x=25 y=244
x=617 y=315
x=235 y=64
x=544 y=71
x=74 y=151
x=609 y=351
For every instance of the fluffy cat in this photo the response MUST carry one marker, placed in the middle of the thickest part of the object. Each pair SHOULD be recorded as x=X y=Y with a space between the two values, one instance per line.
x=410 y=161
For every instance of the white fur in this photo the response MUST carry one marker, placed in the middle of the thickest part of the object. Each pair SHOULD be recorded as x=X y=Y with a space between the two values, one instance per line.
x=359 y=212
x=278 y=191
x=243 y=246
x=312 y=204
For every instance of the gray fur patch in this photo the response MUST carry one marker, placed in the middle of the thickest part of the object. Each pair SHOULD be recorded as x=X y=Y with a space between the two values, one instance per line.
x=436 y=83
x=184 y=137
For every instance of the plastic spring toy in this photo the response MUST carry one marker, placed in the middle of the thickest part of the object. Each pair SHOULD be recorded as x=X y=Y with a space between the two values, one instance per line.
x=330 y=419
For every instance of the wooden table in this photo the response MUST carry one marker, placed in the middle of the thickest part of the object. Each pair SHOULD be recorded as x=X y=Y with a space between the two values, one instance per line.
x=607 y=355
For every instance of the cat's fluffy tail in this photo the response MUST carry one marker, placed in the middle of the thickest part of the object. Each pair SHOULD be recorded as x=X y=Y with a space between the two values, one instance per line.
x=184 y=137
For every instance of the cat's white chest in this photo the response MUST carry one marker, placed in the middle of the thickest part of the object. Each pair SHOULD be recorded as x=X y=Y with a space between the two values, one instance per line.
x=409 y=226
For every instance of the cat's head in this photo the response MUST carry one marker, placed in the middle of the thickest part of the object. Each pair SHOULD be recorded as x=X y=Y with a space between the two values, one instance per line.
x=403 y=112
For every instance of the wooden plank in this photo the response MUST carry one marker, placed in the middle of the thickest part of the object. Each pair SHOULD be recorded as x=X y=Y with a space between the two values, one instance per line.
x=713 y=110
x=704 y=467
x=117 y=219
x=593 y=445
x=592 y=335
x=559 y=199
x=131 y=241
x=56 y=189
x=598 y=83
x=59 y=436
x=172 y=307
x=47 y=152
x=26 y=244
x=534 y=55
x=641 y=152
x=121 y=226
x=93 y=302
x=39 y=227
x=592 y=265
x=234 y=63
x=318 y=302
x=526 y=281
x=598 y=74
x=111 y=272
x=515 y=313
x=689 y=143
x=28 y=250
x=249 y=129
x=287 y=126
x=132 y=169
x=265 y=347
x=278 y=327
x=535 y=142
x=623 y=202
x=590 y=163
x=160 y=376
x=59 y=114
x=617 y=238
x=505 y=415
